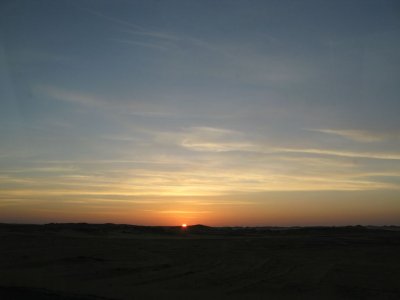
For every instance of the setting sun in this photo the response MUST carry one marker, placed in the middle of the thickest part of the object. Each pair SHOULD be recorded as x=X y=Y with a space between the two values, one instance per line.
x=184 y=225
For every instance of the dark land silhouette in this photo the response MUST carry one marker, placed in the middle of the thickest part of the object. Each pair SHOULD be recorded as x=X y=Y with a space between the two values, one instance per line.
x=110 y=261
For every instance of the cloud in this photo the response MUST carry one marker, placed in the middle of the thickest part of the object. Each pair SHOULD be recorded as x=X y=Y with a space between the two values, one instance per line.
x=359 y=135
x=181 y=211
x=209 y=139
x=371 y=155
x=70 y=96
x=233 y=61
x=135 y=29
x=142 y=44
x=215 y=147
x=205 y=139
x=214 y=140
x=226 y=176
x=174 y=184
x=155 y=34
x=125 y=106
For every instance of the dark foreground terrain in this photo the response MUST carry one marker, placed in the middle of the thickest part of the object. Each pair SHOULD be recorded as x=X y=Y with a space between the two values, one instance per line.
x=83 y=262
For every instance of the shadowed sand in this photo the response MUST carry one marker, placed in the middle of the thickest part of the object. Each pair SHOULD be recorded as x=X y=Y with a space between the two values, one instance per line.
x=84 y=261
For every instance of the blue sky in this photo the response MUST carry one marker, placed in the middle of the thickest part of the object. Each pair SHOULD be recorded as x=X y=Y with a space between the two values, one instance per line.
x=137 y=110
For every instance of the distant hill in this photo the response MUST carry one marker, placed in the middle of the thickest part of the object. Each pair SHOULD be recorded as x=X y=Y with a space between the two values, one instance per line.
x=198 y=229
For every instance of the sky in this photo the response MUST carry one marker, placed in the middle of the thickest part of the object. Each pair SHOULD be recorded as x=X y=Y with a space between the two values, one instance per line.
x=240 y=113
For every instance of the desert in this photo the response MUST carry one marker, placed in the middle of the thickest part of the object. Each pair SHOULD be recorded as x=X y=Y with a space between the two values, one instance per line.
x=109 y=261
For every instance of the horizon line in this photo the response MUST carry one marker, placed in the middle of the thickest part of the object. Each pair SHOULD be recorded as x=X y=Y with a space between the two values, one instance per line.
x=199 y=224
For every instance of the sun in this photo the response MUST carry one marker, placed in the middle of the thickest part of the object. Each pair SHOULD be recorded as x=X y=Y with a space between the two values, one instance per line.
x=184 y=225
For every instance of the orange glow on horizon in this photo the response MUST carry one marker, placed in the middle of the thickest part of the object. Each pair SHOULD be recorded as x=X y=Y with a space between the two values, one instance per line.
x=271 y=209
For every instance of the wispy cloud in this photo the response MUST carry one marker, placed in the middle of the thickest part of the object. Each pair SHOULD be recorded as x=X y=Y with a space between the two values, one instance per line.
x=160 y=35
x=206 y=139
x=236 y=62
x=141 y=44
x=113 y=19
x=124 y=106
x=360 y=135
x=157 y=37
x=353 y=154
x=69 y=96
x=222 y=140
x=214 y=140
x=195 y=179
x=181 y=211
